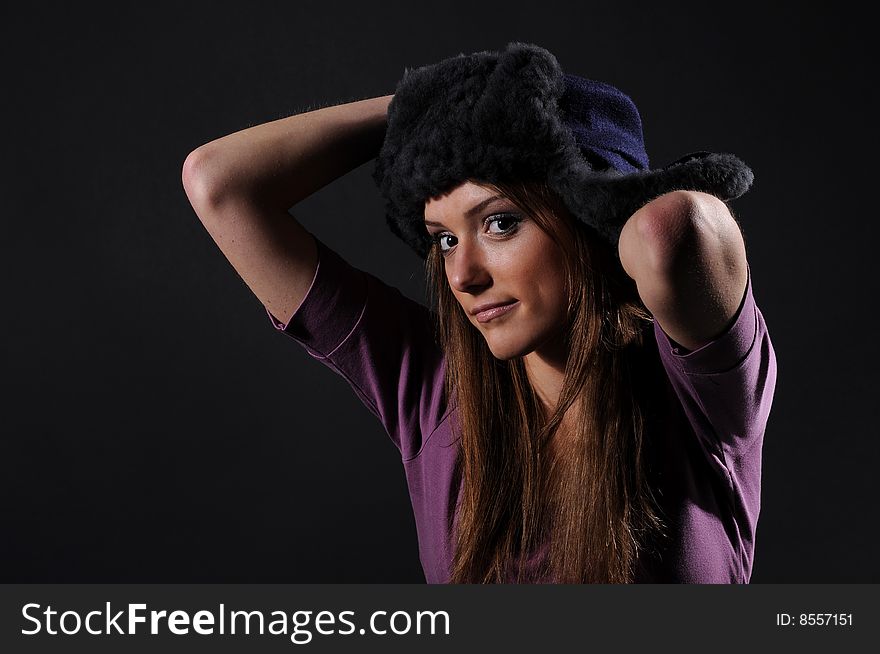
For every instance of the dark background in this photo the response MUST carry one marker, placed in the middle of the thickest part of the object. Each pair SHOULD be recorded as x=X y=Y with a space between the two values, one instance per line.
x=156 y=428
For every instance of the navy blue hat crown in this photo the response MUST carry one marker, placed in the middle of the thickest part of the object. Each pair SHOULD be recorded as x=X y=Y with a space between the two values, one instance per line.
x=605 y=123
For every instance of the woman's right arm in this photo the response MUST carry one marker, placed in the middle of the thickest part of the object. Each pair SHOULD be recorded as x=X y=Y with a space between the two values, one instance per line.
x=242 y=185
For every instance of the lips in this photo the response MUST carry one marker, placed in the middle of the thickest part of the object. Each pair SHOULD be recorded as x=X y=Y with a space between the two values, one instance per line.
x=487 y=312
x=489 y=305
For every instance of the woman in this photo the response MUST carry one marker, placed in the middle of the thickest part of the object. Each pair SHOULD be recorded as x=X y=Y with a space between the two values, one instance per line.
x=547 y=436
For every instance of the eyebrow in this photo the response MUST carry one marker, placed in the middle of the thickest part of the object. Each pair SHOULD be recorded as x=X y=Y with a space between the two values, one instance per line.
x=473 y=210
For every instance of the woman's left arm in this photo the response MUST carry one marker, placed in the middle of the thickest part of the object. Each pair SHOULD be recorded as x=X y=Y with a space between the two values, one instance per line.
x=687 y=255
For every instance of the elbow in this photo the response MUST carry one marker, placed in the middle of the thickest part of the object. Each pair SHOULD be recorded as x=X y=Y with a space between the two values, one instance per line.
x=667 y=220
x=673 y=225
x=196 y=178
x=684 y=229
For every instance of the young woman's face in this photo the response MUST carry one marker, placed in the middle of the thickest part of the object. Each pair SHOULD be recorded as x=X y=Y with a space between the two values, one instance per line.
x=494 y=253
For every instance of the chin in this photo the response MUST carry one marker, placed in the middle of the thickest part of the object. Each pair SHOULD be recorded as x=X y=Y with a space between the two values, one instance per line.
x=507 y=351
x=505 y=356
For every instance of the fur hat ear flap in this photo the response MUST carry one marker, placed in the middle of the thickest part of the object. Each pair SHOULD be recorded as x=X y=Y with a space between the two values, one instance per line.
x=519 y=97
x=525 y=67
x=610 y=201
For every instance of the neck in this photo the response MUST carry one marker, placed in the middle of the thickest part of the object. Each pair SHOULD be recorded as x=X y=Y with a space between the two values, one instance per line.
x=545 y=368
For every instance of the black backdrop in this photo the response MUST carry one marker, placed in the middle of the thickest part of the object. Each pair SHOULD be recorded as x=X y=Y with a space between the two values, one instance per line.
x=157 y=429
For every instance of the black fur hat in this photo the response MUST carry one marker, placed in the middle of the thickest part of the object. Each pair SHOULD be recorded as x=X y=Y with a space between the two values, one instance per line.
x=514 y=116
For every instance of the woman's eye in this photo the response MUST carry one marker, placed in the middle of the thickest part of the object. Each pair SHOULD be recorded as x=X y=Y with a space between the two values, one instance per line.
x=438 y=238
x=506 y=225
x=503 y=219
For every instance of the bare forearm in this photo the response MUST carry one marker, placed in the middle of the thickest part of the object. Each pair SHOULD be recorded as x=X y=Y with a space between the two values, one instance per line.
x=286 y=160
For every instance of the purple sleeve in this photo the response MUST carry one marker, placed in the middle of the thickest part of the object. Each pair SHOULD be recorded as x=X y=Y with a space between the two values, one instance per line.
x=380 y=341
x=726 y=388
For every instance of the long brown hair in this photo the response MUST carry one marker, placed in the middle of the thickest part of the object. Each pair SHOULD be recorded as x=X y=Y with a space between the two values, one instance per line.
x=590 y=496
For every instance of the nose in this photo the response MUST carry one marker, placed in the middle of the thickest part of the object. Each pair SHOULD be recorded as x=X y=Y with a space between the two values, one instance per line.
x=466 y=269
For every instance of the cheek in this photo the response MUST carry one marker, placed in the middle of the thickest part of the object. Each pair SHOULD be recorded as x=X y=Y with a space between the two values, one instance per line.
x=553 y=298
x=547 y=268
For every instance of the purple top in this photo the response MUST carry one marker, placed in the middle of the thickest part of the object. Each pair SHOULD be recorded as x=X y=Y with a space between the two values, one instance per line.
x=381 y=342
